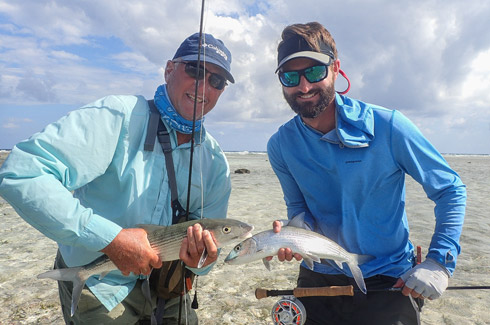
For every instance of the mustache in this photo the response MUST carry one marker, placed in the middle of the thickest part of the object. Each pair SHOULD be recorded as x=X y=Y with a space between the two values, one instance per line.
x=300 y=93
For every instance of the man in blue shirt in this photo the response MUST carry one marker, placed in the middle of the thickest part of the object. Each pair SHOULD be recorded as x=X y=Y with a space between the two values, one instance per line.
x=342 y=163
x=85 y=181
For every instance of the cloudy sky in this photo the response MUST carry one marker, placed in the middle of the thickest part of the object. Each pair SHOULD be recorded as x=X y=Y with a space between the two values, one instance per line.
x=428 y=59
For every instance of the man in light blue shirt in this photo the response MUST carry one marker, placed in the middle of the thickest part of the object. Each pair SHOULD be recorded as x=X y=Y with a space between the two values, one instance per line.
x=85 y=181
x=343 y=163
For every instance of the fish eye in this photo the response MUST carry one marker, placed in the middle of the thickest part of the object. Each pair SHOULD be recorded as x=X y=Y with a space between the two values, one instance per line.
x=226 y=229
x=238 y=247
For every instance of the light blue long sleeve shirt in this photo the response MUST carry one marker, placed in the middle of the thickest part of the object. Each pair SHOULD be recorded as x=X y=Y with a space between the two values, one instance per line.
x=85 y=177
x=350 y=183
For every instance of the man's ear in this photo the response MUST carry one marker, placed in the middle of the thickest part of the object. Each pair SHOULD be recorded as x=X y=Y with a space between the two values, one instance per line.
x=336 y=68
x=169 y=68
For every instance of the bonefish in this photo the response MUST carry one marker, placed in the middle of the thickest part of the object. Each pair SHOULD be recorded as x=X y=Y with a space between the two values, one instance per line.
x=165 y=240
x=310 y=245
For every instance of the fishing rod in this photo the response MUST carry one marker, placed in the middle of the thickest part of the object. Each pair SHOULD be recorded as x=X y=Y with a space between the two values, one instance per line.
x=448 y=288
x=290 y=311
x=307 y=292
x=191 y=158
x=338 y=291
x=195 y=111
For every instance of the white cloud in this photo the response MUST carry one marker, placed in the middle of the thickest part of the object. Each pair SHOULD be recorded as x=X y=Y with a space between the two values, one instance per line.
x=10 y=125
x=429 y=59
x=15 y=123
x=65 y=56
x=476 y=85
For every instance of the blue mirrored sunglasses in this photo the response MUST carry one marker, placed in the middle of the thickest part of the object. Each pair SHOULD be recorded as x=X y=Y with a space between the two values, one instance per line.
x=312 y=74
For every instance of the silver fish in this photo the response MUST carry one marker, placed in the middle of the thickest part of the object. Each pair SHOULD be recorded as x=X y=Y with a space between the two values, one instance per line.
x=165 y=240
x=310 y=245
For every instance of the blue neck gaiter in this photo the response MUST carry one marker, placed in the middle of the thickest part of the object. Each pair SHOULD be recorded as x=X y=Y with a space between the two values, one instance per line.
x=170 y=114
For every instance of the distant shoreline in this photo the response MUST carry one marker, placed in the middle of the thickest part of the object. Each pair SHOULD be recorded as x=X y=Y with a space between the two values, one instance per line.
x=265 y=152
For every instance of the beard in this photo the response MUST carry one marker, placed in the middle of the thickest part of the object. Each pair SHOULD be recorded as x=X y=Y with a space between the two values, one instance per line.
x=311 y=110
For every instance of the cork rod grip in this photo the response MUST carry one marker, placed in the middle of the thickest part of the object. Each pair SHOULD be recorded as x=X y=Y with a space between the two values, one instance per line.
x=324 y=291
x=306 y=292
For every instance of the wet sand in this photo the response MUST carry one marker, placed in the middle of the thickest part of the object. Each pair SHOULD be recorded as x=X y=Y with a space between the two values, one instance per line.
x=226 y=295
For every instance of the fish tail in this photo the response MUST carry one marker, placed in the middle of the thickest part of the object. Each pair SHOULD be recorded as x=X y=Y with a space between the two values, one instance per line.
x=361 y=259
x=67 y=274
x=72 y=274
x=358 y=277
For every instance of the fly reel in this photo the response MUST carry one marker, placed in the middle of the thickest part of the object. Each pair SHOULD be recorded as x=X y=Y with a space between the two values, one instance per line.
x=288 y=311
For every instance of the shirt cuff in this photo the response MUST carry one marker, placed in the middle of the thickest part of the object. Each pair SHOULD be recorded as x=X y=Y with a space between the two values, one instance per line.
x=203 y=270
x=444 y=258
x=98 y=233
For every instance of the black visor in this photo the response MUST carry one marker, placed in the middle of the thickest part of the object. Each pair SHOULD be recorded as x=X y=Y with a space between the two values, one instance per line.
x=297 y=47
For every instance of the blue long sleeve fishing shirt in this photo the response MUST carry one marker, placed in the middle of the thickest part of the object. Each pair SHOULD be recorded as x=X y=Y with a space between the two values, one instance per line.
x=85 y=177
x=350 y=183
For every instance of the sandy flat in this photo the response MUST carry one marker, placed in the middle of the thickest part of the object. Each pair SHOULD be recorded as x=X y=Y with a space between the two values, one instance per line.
x=226 y=295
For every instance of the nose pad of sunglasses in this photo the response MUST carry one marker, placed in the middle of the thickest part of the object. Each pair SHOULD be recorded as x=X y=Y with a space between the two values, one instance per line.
x=195 y=72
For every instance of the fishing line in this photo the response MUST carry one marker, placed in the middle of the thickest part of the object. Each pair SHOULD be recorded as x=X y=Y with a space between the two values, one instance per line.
x=201 y=134
x=201 y=180
x=192 y=152
x=194 y=112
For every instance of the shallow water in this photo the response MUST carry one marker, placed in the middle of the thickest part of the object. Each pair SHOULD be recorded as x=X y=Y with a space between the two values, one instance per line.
x=226 y=295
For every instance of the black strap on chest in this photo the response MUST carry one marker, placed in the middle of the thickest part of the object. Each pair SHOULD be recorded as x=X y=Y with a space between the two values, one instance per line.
x=156 y=128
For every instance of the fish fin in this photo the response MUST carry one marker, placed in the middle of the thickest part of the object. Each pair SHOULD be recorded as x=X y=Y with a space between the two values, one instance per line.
x=309 y=259
x=75 y=295
x=69 y=274
x=266 y=263
x=309 y=262
x=358 y=277
x=203 y=258
x=339 y=264
x=297 y=221
x=333 y=263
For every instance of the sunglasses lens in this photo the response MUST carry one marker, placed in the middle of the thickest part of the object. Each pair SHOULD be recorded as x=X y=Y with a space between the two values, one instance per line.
x=217 y=81
x=312 y=74
x=289 y=79
x=191 y=69
x=316 y=73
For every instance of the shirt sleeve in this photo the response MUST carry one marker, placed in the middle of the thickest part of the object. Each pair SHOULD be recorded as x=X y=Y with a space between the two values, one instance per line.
x=38 y=176
x=417 y=157
x=293 y=197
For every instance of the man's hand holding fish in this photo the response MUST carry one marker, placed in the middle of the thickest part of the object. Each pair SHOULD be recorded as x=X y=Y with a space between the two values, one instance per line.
x=284 y=253
x=197 y=242
x=130 y=251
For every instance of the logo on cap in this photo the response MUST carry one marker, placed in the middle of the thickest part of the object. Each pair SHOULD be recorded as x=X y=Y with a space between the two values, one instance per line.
x=218 y=50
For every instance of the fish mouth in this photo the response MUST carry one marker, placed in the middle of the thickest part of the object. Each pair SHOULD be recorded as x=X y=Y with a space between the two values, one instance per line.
x=248 y=233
